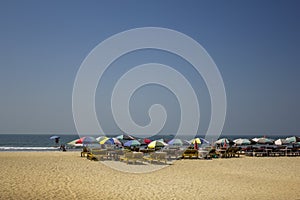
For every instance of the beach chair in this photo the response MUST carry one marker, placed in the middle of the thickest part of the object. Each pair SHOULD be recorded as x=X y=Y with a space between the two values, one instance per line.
x=132 y=157
x=97 y=154
x=213 y=153
x=128 y=156
x=161 y=157
x=233 y=151
x=84 y=152
x=157 y=156
x=138 y=156
x=190 y=153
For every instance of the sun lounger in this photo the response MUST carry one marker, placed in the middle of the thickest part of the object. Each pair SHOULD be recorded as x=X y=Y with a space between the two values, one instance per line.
x=190 y=153
x=157 y=156
x=97 y=154
x=84 y=152
x=132 y=157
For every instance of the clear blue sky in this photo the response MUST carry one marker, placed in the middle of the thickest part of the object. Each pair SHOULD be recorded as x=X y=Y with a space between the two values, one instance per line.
x=255 y=44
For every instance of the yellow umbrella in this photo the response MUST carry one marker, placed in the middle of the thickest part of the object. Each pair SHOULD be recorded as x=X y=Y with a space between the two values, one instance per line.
x=156 y=143
x=104 y=140
x=197 y=140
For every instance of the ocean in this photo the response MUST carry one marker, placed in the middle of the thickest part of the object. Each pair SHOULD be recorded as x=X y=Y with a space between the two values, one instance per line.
x=42 y=142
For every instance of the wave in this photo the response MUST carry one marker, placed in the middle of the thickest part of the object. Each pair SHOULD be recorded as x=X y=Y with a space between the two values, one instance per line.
x=3 y=148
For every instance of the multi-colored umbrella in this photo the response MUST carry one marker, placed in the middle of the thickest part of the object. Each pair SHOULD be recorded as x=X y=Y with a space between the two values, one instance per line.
x=132 y=143
x=199 y=141
x=156 y=143
x=86 y=140
x=110 y=141
x=125 y=137
x=101 y=138
x=74 y=144
x=222 y=141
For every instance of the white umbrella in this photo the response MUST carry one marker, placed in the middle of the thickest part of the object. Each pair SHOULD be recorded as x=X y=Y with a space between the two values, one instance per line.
x=241 y=141
x=281 y=142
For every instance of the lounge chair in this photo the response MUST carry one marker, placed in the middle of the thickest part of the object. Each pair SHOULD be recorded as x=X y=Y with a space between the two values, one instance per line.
x=132 y=157
x=84 y=152
x=97 y=154
x=190 y=153
x=157 y=156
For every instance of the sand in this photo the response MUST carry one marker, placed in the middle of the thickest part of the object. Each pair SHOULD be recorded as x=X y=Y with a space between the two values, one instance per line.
x=65 y=175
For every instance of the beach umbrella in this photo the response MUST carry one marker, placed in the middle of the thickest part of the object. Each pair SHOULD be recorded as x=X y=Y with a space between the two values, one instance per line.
x=132 y=143
x=110 y=141
x=125 y=137
x=86 y=140
x=54 y=137
x=116 y=141
x=101 y=138
x=241 y=141
x=255 y=139
x=199 y=141
x=176 y=142
x=281 y=142
x=156 y=143
x=264 y=140
x=73 y=143
x=222 y=141
x=293 y=139
x=144 y=141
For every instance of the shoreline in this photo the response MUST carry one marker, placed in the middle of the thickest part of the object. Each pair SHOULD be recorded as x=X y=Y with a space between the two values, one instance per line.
x=65 y=175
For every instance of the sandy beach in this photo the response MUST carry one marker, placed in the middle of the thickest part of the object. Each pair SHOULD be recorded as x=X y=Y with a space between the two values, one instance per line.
x=65 y=175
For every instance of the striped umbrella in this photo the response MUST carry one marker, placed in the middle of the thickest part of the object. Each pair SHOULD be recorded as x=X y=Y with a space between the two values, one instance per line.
x=110 y=141
x=156 y=143
x=199 y=141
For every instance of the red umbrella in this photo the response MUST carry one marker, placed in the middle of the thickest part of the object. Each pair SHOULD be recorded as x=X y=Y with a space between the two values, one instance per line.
x=79 y=141
x=147 y=141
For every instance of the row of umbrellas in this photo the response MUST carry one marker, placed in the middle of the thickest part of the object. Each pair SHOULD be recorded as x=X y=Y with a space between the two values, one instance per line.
x=262 y=140
x=131 y=141
x=128 y=141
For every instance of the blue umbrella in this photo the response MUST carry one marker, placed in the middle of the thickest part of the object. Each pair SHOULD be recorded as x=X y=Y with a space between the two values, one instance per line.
x=54 y=137
x=132 y=143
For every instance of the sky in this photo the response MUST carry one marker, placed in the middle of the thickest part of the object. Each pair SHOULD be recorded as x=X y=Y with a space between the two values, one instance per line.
x=255 y=45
